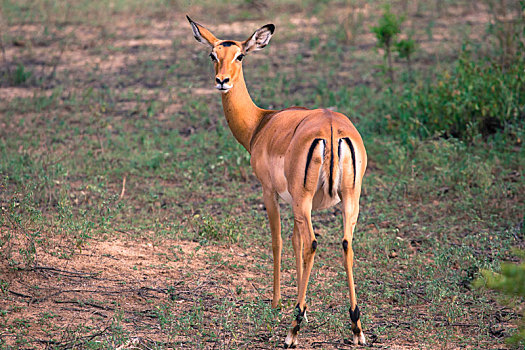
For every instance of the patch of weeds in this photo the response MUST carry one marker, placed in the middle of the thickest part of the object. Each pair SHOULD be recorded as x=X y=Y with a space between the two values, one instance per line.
x=79 y=224
x=21 y=75
x=23 y=228
x=4 y=286
x=208 y=228
x=37 y=103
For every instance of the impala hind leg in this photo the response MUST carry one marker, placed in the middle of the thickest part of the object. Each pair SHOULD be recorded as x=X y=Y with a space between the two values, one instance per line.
x=297 y=243
x=272 y=209
x=350 y=213
x=305 y=245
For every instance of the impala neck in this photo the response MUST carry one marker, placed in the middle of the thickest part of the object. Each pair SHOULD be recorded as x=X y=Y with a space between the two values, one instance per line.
x=241 y=113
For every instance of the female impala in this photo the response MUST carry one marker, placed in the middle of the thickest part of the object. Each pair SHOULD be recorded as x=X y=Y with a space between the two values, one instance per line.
x=312 y=159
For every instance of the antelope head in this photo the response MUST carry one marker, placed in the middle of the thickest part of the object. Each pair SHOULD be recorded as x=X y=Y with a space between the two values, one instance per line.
x=227 y=55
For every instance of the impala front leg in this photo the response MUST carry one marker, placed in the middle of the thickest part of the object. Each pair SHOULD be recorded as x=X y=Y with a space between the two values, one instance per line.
x=272 y=209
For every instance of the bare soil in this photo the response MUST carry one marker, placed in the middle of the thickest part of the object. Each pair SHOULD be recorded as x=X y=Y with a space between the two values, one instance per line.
x=133 y=276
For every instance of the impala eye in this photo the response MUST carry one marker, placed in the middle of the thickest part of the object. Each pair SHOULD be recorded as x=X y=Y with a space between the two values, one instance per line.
x=240 y=57
x=213 y=57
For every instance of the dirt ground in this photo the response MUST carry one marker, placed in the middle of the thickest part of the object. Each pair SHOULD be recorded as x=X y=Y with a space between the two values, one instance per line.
x=133 y=276
x=68 y=303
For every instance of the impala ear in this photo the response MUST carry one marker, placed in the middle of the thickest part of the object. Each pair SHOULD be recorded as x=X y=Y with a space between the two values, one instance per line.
x=259 y=39
x=201 y=34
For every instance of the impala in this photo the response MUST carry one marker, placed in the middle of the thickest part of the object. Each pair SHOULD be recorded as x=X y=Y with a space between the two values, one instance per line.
x=312 y=159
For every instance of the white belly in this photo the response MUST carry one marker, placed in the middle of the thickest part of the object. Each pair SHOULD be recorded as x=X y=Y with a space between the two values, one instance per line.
x=286 y=196
x=321 y=199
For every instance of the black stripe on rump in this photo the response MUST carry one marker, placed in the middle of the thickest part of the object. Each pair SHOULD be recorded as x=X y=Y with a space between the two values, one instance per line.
x=351 y=146
x=309 y=157
x=331 y=176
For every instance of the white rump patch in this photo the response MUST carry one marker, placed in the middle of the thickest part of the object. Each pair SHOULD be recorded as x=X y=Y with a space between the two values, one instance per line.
x=346 y=156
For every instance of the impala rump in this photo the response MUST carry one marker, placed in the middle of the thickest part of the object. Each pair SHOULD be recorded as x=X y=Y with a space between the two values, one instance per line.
x=334 y=166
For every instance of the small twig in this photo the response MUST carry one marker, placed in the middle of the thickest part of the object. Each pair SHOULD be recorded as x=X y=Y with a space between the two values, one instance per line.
x=94 y=312
x=92 y=291
x=417 y=295
x=256 y=289
x=47 y=342
x=123 y=189
x=20 y=294
x=318 y=326
x=68 y=273
x=461 y=325
x=71 y=343
x=42 y=299
x=148 y=314
x=372 y=339
x=337 y=344
x=82 y=303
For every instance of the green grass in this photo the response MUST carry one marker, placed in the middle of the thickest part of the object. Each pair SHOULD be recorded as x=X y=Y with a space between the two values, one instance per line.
x=136 y=153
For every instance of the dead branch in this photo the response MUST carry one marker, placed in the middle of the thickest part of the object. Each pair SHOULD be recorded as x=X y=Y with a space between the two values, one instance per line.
x=68 y=273
x=20 y=294
x=69 y=344
x=82 y=303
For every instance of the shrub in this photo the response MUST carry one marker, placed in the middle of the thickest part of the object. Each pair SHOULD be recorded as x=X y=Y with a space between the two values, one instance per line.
x=510 y=281
x=405 y=48
x=476 y=98
x=386 y=31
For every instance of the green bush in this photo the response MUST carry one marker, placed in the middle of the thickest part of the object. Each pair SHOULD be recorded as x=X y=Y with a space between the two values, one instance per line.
x=405 y=49
x=510 y=281
x=389 y=26
x=476 y=98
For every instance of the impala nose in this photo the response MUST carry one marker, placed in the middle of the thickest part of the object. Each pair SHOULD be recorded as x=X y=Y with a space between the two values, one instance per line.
x=222 y=82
